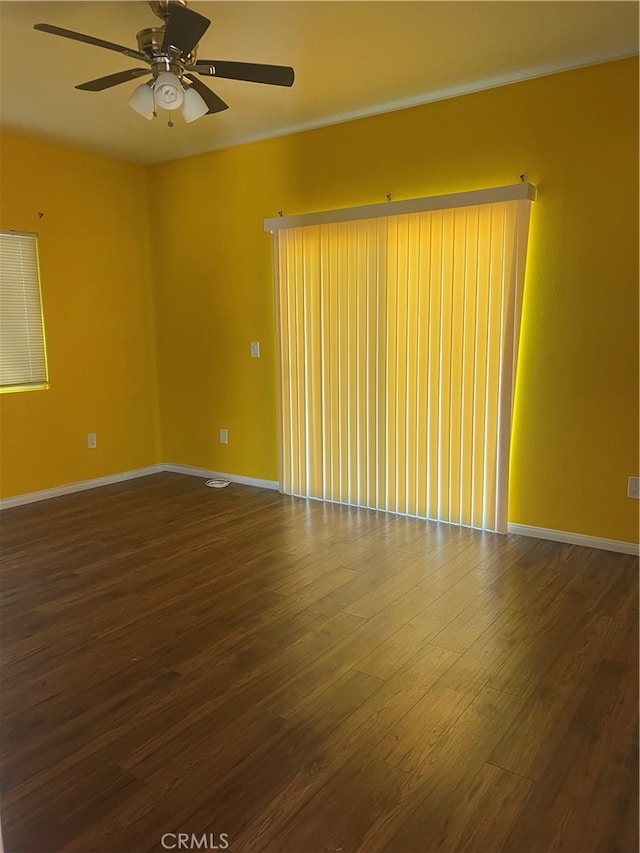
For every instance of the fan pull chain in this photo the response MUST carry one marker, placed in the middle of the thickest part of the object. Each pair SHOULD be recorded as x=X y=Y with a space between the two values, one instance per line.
x=170 y=122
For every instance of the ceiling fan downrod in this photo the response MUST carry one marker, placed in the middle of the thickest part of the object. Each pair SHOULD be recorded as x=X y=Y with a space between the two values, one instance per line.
x=162 y=8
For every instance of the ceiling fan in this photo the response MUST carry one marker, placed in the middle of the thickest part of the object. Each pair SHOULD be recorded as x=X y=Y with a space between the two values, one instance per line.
x=170 y=52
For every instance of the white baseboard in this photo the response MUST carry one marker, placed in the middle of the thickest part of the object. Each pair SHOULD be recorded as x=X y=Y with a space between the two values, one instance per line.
x=83 y=485
x=216 y=475
x=575 y=539
x=45 y=494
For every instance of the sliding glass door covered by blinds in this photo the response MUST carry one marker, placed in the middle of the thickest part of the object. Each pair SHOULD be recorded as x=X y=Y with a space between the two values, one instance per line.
x=397 y=340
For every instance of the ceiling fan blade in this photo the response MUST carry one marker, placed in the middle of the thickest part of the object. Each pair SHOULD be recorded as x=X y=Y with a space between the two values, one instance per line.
x=215 y=104
x=113 y=79
x=70 y=34
x=253 y=72
x=184 y=29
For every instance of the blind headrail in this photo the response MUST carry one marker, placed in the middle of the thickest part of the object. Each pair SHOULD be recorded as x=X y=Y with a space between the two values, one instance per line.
x=9 y=233
x=412 y=205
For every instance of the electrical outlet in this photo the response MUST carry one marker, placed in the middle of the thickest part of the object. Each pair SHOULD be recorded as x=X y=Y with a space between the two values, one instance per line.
x=633 y=488
x=92 y=442
x=255 y=349
x=224 y=436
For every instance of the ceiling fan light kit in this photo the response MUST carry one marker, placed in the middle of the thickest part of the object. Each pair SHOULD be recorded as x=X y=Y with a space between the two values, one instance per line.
x=170 y=52
x=168 y=91
x=168 y=94
x=193 y=106
x=142 y=100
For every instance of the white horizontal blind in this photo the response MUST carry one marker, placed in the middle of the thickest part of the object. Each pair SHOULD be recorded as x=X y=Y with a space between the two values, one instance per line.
x=23 y=359
x=397 y=344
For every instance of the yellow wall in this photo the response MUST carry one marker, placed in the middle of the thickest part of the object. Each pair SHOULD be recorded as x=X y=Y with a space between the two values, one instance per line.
x=96 y=290
x=573 y=134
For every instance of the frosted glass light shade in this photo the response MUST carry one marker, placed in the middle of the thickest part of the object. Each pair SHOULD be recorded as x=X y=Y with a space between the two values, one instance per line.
x=194 y=106
x=168 y=91
x=142 y=100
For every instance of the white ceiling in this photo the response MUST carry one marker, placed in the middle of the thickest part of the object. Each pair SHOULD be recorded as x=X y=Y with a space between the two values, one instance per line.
x=351 y=59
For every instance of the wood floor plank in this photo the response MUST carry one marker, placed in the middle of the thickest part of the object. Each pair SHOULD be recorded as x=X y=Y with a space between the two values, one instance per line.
x=388 y=657
x=288 y=627
x=302 y=689
x=532 y=740
x=57 y=818
x=54 y=748
x=444 y=779
x=484 y=815
x=332 y=822
x=307 y=676
x=380 y=557
x=411 y=740
x=464 y=629
x=226 y=794
x=446 y=607
x=448 y=564
x=402 y=582
x=573 y=803
x=355 y=735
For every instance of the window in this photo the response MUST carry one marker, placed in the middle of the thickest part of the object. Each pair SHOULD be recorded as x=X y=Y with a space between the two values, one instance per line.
x=23 y=358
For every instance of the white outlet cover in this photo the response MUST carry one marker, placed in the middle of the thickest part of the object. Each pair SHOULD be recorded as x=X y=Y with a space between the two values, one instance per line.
x=255 y=349
x=224 y=436
x=633 y=488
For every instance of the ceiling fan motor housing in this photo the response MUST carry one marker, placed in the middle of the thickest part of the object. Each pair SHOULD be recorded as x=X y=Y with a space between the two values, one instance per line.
x=150 y=43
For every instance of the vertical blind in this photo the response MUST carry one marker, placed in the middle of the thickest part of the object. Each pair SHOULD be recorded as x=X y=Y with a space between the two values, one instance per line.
x=397 y=341
x=23 y=359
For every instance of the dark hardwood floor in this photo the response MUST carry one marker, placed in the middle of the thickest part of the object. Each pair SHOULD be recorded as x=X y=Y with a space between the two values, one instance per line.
x=293 y=677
